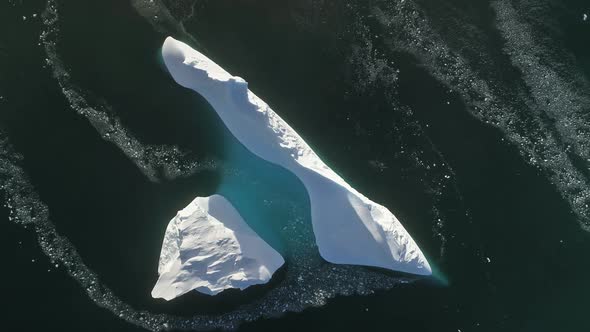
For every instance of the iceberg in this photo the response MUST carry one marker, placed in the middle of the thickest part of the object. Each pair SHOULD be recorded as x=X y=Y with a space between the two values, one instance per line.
x=209 y=248
x=348 y=227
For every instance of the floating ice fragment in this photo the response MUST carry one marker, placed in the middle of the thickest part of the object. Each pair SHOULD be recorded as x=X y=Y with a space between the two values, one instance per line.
x=208 y=247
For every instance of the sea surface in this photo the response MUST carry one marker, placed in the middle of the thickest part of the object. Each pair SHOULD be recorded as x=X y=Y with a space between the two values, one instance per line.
x=469 y=120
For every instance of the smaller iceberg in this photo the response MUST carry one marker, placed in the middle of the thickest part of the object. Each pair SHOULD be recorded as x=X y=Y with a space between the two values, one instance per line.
x=209 y=248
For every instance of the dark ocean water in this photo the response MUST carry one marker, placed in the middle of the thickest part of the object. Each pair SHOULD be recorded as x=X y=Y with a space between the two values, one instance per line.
x=470 y=120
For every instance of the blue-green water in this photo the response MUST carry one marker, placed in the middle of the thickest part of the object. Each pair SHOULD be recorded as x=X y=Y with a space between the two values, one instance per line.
x=272 y=200
x=469 y=120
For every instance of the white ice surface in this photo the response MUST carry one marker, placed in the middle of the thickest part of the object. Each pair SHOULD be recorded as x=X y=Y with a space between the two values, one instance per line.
x=208 y=247
x=349 y=228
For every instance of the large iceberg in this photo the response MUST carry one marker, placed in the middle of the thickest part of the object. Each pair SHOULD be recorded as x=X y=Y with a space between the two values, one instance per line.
x=208 y=247
x=349 y=228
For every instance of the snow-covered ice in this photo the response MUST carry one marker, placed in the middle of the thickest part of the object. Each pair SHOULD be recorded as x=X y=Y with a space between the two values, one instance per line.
x=349 y=228
x=208 y=247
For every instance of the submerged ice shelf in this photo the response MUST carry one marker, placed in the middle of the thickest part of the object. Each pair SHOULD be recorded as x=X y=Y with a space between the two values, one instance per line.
x=348 y=227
